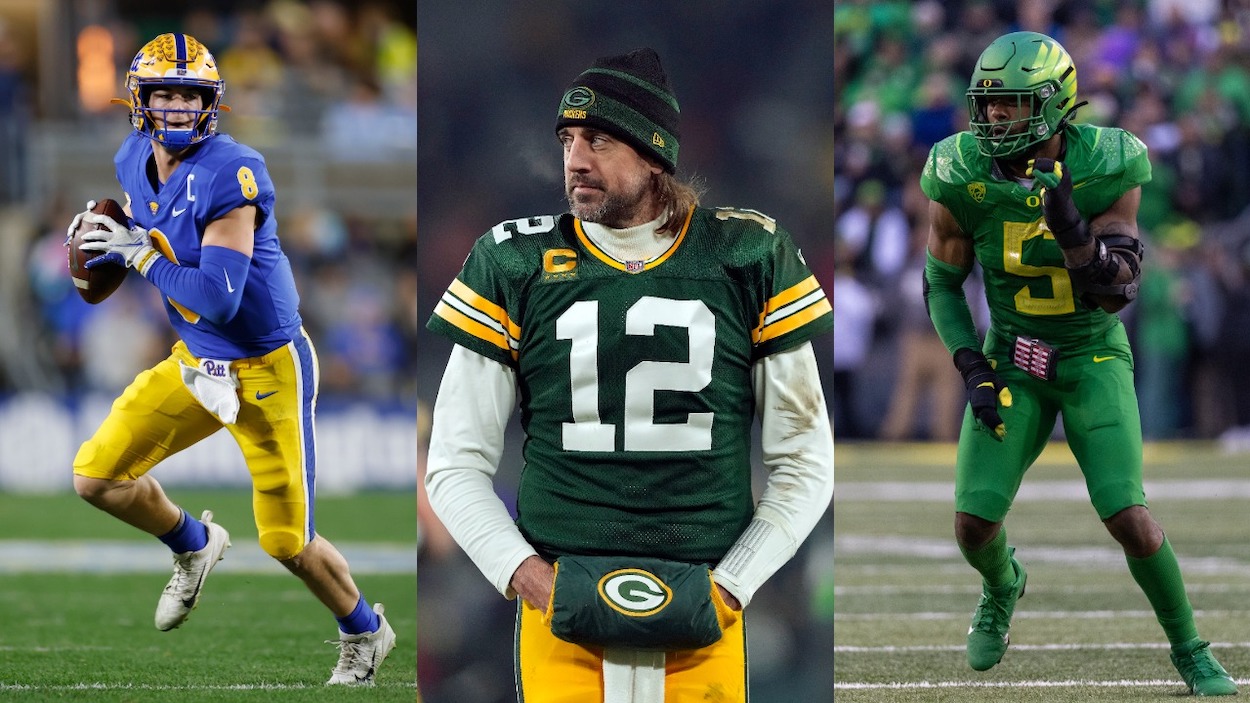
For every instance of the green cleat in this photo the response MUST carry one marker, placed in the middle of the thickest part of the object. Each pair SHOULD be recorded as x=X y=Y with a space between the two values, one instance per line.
x=1200 y=671
x=987 y=636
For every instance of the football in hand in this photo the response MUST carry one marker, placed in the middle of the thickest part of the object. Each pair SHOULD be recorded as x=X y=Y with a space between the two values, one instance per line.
x=95 y=284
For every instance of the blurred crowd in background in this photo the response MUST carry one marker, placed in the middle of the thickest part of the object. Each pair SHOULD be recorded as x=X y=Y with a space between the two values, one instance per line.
x=1174 y=72
x=329 y=82
x=753 y=83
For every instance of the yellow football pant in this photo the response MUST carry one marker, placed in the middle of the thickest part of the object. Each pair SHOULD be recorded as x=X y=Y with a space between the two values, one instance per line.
x=550 y=670
x=157 y=417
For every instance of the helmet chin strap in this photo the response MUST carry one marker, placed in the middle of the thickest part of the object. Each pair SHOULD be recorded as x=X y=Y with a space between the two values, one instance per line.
x=174 y=139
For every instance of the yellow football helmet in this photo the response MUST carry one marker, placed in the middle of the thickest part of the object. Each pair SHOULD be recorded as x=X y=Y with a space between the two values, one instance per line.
x=174 y=60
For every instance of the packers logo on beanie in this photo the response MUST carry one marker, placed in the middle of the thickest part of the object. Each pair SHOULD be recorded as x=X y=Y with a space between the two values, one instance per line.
x=627 y=96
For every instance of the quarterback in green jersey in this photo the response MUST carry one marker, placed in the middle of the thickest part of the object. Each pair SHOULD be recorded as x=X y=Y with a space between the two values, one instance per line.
x=1048 y=208
x=641 y=335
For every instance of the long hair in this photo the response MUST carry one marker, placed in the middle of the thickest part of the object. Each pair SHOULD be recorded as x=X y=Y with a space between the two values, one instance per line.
x=677 y=197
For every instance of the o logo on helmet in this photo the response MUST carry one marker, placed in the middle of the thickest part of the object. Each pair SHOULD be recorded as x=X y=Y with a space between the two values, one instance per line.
x=987 y=82
x=634 y=592
x=580 y=96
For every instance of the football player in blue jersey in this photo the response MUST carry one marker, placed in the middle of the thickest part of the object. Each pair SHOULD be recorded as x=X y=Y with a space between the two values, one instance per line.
x=202 y=230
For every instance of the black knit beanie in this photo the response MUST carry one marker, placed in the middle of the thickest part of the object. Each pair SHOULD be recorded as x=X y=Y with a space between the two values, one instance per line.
x=627 y=96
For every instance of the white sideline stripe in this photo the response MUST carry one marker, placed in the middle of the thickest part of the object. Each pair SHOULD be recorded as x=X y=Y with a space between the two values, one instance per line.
x=1029 y=615
x=1070 y=683
x=189 y=687
x=944 y=491
x=1104 y=557
x=975 y=589
x=118 y=557
x=1106 y=646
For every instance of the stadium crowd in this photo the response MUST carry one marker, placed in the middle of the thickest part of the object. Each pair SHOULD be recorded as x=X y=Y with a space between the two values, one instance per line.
x=1175 y=73
x=337 y=75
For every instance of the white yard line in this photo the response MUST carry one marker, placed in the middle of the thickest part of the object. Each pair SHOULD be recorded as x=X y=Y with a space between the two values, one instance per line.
x=1070 y=683
x=944 y=491
x=1028 y=615
x=945 y=548
x=189 y=687
x=113 y=557
x=1106 y=646
x=975 y=589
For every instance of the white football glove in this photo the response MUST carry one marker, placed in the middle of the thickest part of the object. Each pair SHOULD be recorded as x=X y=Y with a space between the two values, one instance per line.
x=77 y=222
x=127 y=247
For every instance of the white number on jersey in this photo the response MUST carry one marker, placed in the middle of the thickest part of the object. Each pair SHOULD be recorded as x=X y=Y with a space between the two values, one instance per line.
x=580 y=324
x=526 y=225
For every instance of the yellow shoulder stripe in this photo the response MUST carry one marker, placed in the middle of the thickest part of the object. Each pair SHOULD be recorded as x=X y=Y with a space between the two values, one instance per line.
x=465 y=309
x=791 y=309
x=471 y=326
x=794 y=321
x=791 y=294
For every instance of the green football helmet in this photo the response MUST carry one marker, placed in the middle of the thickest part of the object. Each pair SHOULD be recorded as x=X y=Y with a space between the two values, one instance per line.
x=1035 y=72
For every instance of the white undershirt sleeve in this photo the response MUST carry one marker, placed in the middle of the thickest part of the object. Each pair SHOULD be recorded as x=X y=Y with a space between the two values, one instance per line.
x=475 y=400
x=797 y=448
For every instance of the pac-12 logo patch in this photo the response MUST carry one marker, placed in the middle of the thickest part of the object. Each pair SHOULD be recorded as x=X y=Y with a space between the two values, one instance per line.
x=977 y=191
x=634 y=592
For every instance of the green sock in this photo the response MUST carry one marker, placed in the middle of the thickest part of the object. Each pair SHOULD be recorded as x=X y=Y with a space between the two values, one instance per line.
x=1160 y=579
x=993 y=560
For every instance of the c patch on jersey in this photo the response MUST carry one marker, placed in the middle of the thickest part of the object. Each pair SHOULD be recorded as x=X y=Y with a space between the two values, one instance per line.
x=977 y=191
x=559 y=264
x=634 y=592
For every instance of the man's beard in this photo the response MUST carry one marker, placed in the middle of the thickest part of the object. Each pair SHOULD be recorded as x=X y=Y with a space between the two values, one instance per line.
x=614 y=209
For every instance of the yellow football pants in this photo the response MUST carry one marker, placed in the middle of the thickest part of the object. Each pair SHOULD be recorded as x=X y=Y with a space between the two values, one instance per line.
x=550 y=670
x=157 y=417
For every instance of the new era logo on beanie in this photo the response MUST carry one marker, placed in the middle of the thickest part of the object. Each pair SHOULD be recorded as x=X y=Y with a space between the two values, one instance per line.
x=627 y=96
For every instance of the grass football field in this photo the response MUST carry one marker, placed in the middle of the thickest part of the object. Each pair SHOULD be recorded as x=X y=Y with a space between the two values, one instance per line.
x=1083 y=630
x=78 y=590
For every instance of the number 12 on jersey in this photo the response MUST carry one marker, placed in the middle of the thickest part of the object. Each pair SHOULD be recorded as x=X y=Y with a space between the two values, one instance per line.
x=587 y=433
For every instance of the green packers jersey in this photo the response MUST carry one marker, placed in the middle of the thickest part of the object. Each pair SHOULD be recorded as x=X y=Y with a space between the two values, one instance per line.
x=635 y=377
x=1028 y=289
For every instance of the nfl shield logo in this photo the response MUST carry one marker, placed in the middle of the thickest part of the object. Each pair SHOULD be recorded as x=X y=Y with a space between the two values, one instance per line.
x=634 y=266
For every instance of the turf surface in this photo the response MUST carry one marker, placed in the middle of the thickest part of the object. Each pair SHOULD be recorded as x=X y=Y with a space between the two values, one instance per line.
x=1083 y=631
x=258 y=634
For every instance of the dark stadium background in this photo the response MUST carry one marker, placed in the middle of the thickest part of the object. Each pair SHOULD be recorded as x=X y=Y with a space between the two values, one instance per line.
x=754 y=81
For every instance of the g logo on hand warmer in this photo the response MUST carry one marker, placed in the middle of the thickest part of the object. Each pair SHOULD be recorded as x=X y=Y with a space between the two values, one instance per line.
x=634 y=592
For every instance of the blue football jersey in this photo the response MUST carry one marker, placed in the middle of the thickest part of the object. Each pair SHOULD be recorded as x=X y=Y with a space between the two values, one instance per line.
x=217 y=177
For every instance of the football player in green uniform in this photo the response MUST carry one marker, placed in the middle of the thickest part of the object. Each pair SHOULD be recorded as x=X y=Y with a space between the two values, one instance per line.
x=642 y=334
x=1049 y=210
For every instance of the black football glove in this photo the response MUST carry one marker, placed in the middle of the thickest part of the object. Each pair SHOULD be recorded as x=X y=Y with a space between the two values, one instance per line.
x=1057 y=207
x=985 y=390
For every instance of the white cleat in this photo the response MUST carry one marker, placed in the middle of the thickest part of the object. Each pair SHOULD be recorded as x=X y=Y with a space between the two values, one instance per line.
x=182 y=593
x=361 y=655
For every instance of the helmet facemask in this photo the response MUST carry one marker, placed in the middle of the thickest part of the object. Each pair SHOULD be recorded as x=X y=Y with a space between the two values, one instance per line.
x=1009 y=138
x=203 y=123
